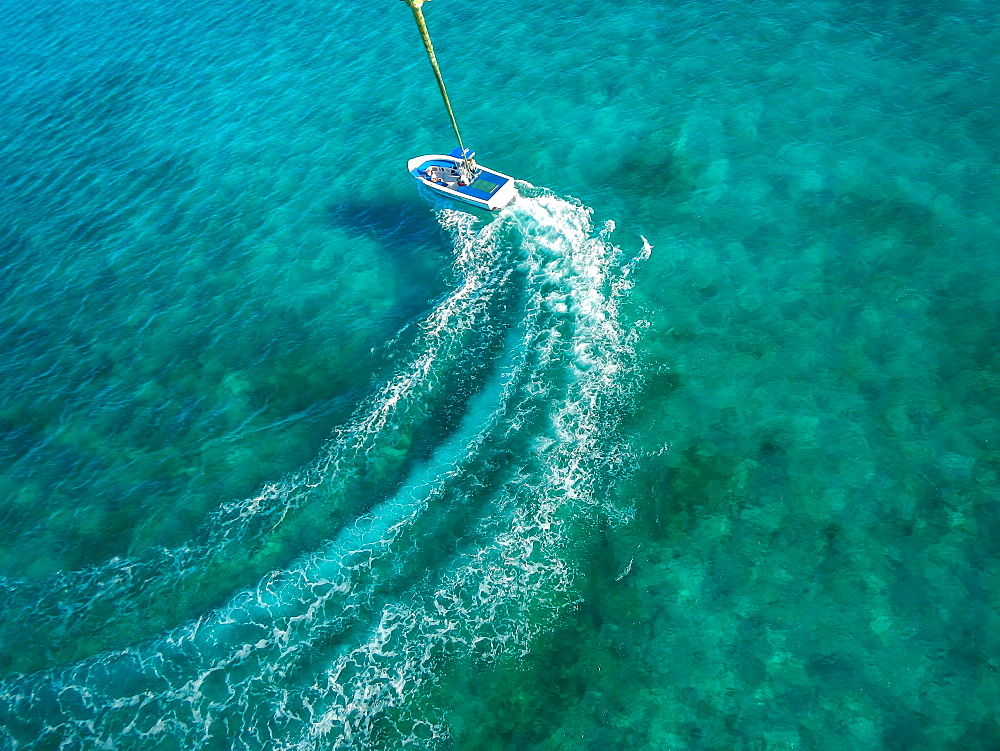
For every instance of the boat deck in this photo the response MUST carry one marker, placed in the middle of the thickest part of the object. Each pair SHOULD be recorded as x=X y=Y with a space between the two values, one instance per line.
x=483 y=186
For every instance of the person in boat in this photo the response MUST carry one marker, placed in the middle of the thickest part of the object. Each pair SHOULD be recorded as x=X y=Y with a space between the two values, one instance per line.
x=434 y=176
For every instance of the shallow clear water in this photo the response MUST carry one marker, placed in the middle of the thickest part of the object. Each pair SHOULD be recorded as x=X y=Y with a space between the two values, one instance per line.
x=692 y=447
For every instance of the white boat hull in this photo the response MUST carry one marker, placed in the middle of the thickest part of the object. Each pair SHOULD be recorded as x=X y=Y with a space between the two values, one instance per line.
x=489 y=190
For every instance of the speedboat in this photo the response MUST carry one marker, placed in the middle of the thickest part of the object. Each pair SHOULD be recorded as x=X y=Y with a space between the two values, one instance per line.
x=457 y=176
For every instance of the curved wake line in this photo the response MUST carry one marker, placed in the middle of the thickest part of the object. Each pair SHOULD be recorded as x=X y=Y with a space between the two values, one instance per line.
x=42 y=621
x=343 y=645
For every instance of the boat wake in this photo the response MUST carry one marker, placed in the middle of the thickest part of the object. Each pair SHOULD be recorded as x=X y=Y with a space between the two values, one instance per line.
x=445 y=523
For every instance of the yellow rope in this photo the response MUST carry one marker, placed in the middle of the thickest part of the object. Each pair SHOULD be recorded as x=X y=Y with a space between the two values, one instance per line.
x=419 y=16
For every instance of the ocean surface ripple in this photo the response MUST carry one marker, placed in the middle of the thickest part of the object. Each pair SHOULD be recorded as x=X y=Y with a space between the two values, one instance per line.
x=693 y=447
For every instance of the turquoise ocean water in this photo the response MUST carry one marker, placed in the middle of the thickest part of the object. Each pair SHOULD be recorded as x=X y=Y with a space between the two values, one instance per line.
x=694 y=446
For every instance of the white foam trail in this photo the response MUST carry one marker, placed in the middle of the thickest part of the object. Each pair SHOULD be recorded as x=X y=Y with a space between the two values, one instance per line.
x=339 y=650
x=57 y=610
x=494 y=601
